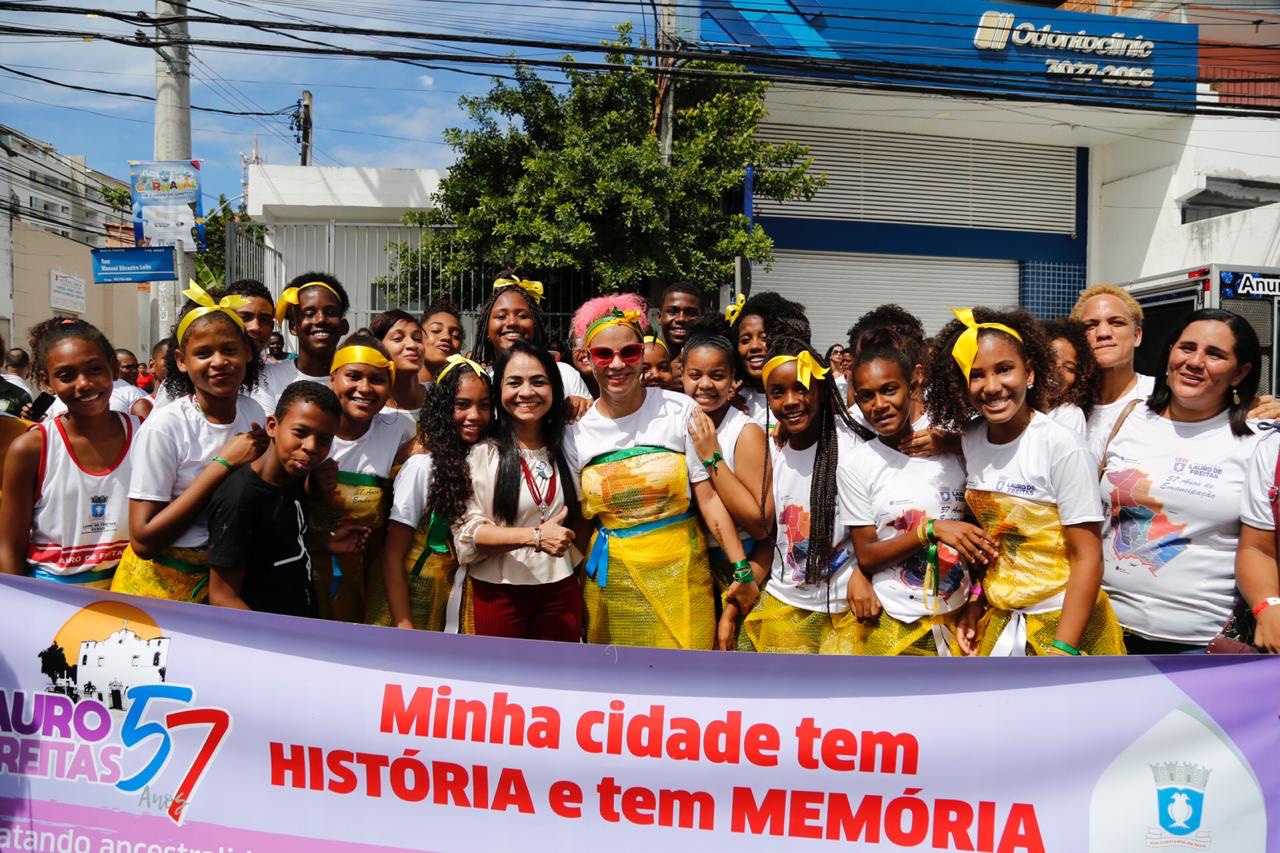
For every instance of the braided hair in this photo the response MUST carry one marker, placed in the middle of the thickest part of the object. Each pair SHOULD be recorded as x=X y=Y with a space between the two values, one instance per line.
x=483 y=351
x=450 y=468
x=788 y=340
x=713 y=330
x=45 y=335
x=947 y=392
x=1088 y=384
x=889 y=326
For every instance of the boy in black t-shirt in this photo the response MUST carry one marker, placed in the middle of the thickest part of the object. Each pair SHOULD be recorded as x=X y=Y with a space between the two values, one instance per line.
x=258 y=541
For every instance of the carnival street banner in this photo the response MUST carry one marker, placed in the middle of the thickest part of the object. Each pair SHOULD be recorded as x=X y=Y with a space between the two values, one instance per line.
x=128 y=724
x=168 y=208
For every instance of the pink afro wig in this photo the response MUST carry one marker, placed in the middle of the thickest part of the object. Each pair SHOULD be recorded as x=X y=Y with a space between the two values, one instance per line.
x=594 y=309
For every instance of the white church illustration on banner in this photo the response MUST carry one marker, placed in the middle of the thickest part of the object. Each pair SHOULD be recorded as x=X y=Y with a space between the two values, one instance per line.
x=107 y=668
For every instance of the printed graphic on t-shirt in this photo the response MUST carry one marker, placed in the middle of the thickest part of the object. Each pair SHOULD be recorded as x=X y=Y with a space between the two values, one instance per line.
x=795 y=520
x=912 y=570
x=1143 y=532
x=99 y=518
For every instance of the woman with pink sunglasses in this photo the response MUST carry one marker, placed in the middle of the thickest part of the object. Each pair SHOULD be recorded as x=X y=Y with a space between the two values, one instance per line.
x=636 y=470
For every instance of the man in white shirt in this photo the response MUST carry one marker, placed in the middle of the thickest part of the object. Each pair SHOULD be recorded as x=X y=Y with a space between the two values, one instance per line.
x=17 y=367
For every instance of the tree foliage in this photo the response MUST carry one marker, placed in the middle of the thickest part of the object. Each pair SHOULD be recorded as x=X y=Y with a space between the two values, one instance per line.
x=573 y=179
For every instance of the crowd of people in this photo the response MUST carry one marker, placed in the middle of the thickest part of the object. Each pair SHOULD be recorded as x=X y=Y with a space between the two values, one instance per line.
x=690 y=480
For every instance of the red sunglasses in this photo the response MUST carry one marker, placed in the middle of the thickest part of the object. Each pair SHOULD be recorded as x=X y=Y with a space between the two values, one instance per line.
x=604 y=356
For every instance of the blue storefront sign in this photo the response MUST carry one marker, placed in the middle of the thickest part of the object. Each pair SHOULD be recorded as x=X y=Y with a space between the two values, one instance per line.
x=965 y=46
x=118 y=266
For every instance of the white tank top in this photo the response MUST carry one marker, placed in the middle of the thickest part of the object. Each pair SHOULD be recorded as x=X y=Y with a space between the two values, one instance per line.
x=80 y=521
x=727 y=434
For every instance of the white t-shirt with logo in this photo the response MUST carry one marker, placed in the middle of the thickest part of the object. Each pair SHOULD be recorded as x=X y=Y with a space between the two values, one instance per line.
x=277 y=377
x=1103 y=417
x=893 y=492
x=372 y=453
x=1047 y=463
x=171 y=449
x=1172 y=493
x=412 y=490
x=661 y=421
x=792 y=477
x=1260 y=478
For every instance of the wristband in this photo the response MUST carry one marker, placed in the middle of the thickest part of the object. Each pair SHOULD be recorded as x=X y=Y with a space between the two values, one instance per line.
x=537 y=538
x=1264 y=604
x=742 y=572
x=922 y=534
x=1065 y=647
x=224 y=463
x=928 y=531
x=715 y=460
x=975 y=590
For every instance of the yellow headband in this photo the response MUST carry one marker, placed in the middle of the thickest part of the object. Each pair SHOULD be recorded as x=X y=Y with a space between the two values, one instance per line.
x=362 y=355
x=533 y=288
x=656 y=341
x=733 y=309
x=197 y=294
x=807 y=367
x=453 y=361
x=965 y=349
x=615 y=317
x=290 y=297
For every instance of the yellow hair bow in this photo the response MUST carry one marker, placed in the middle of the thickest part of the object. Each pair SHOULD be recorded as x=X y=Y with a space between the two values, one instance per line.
x=290 y=297
x=198 y=295
x=362 y=355
x=965 y=349
x=456 y=359
x=807 y=367
x=615 y=317
x=533 y=288
x=733 y=309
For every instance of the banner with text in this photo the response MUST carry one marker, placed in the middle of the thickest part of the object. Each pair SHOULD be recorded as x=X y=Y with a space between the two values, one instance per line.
x=128 y=724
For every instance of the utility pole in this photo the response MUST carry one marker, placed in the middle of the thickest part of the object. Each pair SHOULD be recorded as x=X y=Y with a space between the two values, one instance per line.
x=172 y=139
x=304 y=127
x=667 y=83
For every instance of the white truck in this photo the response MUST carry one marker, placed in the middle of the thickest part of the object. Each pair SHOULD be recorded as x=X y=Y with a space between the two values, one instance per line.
x=1251 y=292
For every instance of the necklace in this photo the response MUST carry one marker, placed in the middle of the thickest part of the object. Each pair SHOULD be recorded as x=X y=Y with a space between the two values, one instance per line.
x=542 y=472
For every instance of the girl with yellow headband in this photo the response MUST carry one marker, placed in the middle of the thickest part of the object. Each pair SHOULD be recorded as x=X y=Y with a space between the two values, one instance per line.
x=1032 y=484
x=749 y=319
x=353 y=485
x=189 y=448
x=656 y=364
x=514 y=312
x=314 y=308
x=419 y=564
x=813 y=559
x=635 y=469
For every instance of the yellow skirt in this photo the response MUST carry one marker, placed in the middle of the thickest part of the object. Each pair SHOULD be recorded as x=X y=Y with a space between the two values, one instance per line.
x=176 y=574
x=888 y=637
x=429 y=594
x=657 y=593
x=362 y=499
x=1102 y=634
x=775 y=627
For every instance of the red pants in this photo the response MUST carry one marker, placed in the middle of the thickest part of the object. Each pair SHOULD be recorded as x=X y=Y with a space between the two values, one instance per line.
x=551 y=611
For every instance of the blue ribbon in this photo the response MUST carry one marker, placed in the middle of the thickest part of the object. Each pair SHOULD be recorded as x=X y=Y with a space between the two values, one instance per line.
x=598 y=561
x=79 y=577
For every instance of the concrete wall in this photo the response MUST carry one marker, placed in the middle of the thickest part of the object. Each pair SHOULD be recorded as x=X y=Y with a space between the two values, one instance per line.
x=317 y=193
x=113 y=308
x=1138 y=229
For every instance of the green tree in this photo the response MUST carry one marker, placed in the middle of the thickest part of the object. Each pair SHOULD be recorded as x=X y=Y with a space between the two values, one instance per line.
x=574 y=179
x=212 y=262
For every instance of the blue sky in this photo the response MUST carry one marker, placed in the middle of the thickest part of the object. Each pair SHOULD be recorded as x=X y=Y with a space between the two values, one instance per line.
x=367 y=112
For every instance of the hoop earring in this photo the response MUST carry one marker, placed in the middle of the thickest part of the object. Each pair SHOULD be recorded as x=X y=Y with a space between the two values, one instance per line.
x=1235 y=396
